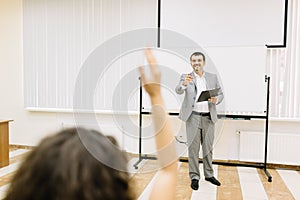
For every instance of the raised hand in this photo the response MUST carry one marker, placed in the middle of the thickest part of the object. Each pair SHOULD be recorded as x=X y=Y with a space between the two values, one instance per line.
x=188 y=79
x=151 y=83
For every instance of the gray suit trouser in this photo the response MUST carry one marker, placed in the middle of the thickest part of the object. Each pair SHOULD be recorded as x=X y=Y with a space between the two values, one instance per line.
x=200 y=130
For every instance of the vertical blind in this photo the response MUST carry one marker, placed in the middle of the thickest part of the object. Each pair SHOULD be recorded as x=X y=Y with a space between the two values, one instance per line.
x=283 y=66
x=291 y=92
x=58 y=37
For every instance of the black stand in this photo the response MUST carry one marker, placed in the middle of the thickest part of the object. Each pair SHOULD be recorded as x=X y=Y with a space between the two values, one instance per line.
x=141 y=157
x=245 y=117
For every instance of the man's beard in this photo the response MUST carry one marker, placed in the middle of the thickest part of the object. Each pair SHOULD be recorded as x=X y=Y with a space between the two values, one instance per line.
x=197 y=68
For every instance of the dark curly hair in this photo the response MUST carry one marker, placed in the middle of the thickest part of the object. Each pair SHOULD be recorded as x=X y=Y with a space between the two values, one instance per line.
x=73 y=164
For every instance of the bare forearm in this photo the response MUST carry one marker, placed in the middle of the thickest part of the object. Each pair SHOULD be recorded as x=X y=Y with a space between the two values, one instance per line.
x=166 y=152
x=163 y=132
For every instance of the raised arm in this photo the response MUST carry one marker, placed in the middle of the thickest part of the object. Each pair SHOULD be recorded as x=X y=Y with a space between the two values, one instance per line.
x=165 y=184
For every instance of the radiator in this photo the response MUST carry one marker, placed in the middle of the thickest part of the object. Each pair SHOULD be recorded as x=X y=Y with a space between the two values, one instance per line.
x=283 y=148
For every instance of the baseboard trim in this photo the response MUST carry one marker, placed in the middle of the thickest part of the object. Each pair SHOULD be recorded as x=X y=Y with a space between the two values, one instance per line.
x=16 y=146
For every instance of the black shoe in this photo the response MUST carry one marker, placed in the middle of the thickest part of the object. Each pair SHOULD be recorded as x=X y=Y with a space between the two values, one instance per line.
x=213 y=180
x=195 y=184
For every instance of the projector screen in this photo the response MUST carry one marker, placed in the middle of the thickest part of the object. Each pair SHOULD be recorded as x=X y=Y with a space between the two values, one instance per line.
x=226 y=22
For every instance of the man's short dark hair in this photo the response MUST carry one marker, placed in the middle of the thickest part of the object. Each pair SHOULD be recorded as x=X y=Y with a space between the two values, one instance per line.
x=197 y=54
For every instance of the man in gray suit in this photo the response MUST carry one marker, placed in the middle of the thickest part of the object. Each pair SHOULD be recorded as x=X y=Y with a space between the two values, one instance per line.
x=200 y=117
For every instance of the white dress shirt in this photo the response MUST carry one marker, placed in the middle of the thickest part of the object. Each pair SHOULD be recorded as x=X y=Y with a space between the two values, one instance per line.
x=201 y=86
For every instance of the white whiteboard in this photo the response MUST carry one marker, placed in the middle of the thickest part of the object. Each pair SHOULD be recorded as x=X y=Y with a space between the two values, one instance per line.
x=241 y=72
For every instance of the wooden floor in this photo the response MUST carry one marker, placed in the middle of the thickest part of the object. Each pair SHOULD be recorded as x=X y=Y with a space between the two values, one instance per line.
x=237 y=182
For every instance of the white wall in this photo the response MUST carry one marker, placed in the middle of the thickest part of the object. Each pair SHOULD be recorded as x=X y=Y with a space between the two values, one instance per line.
x=29 y=127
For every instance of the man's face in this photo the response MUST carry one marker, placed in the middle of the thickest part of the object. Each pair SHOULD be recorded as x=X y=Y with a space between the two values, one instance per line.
x=197 y=63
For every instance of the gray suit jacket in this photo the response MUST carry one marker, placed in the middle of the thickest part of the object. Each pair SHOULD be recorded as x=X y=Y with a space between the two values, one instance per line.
x=191 y=92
